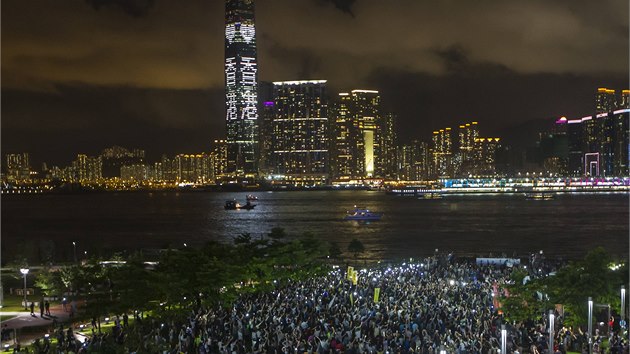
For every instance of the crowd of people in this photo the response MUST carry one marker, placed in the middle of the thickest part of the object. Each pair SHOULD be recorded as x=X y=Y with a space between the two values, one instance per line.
x=433 y=306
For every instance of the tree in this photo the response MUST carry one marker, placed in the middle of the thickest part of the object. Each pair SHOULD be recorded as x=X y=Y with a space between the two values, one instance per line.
x=356 y=247
x=278 y=233
x=592 y=276
x=334 y=251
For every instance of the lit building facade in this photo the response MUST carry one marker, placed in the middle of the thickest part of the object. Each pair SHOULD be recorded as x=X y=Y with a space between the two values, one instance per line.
x=300 y=146
x=605 y=100
x=87 y=169
x=194 y=168
x=362 y=138
x=241 y=87
x=598 y=145
x=115 y=157
x=442 y=153
x=219 y=155
x=18 y=168
x=484 y=157
x=267 y=111
x=386 y=165
x=414 y=162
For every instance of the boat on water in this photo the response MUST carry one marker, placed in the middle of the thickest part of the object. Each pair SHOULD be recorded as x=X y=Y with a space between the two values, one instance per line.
x=540 y=196
x=361 y=214
x=234 y=205
x=251 y=197
x=431 y=195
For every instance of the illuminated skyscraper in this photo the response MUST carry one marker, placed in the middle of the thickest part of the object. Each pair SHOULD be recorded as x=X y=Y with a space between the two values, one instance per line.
x=442 y=153
x=386 y=159
x=241 y=85
x=357 y=144
x=484 y=159
x=604 y=100
x=300 y=132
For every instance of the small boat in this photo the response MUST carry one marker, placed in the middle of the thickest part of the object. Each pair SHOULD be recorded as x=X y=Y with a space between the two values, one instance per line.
x=251 y=197
x=539 y=196
x=361 y=214
x=234 y=205
x=431 y=195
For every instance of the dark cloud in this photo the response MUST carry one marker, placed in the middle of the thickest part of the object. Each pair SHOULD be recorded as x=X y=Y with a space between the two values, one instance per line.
x=86 y=119
x=135 y=8
x=344 y=6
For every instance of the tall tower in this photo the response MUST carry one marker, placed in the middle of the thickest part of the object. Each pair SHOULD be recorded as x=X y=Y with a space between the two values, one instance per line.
x=241 y=86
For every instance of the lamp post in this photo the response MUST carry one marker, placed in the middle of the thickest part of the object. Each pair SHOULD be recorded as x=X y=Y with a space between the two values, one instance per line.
x=74 y=247
x=24 y=271
x=551 y=331
x=590 y=325
x=503 y=339
x=623 y=303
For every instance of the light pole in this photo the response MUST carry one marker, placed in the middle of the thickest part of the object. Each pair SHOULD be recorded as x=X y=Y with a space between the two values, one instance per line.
x=590 y=325
x=74 y=247
x=24 y=271
x=623 y=303
x=503 y=339
x=551 y=330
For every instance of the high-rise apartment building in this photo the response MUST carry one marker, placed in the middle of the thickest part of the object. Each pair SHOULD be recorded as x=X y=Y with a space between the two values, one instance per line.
x=241 y=87
x=414 y=162
x=115 y=157
x=300 y=146
x=605 y=100
x=194 y=168
x=598 y=145
x=484 y=157
x=219 y=156
x=18 y=167
x=87 y=169
x=442 y=153
x=467 y=135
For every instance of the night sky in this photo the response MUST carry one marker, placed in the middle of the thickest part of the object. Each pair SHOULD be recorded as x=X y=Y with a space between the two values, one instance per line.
x=82 y=75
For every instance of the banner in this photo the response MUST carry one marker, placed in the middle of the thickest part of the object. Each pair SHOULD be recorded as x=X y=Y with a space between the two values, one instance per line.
x=355 y=278
x=377 y=293
x=350 y=272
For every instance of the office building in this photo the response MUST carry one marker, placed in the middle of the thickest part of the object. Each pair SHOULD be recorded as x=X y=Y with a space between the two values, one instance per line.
x=360 y=135
x=267 y=111
x=300 y=146
x=386 y=165
x=241 y=86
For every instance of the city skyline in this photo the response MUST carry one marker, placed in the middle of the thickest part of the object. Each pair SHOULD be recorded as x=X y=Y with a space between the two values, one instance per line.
x=455 y=83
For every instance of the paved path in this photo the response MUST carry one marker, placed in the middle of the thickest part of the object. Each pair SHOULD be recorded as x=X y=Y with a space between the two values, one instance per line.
x=25 y=319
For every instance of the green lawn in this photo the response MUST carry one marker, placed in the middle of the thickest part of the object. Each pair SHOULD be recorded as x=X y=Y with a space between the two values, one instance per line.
x=13 y=303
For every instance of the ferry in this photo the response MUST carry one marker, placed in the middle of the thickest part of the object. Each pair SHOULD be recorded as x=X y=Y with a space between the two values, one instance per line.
x=539 y=196
x=234 y=205
x=361 y=214
x=431 y=195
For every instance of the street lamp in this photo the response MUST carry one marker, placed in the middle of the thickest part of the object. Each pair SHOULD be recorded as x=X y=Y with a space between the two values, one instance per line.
x=503 y=339
x=590 y=325
x=623 y=303
x=74 y=246
x=24 y=271
x=551 y=328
